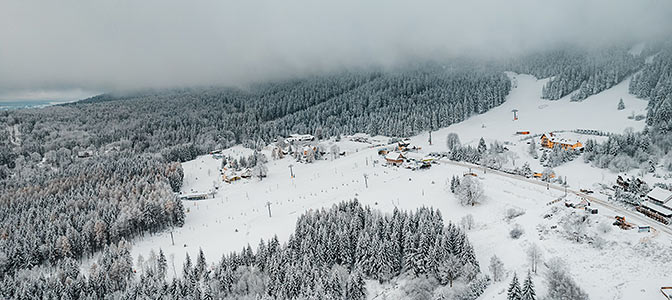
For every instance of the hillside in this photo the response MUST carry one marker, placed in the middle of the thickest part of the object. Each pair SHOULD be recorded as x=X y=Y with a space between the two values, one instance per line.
x=602 y=264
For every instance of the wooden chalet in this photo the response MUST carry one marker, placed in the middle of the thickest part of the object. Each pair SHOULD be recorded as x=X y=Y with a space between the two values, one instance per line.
x=394 y=158
x=551 y=140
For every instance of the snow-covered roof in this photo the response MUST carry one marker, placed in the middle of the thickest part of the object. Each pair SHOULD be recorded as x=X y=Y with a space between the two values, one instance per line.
x=659 y=194
x=560 y=139
x=662 y=210
x=194 y=195
x=300 y=137
x=394 y=156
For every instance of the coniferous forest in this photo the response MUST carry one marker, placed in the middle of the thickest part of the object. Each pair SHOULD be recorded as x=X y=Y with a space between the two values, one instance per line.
x=330 y=254
x=182 y=123
x=581 y=72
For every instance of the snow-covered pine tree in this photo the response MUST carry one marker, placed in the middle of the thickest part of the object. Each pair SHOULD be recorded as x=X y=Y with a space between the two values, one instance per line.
x=482 y=147
x=514 y=292
x=355 y=286
x=527 y=292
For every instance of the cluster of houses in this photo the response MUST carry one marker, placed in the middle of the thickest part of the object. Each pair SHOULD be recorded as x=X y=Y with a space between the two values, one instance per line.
x=628 y=184
x=582 y=204
x=300 y=146
x=399 y=156
x=230 y=176
x=299 y=138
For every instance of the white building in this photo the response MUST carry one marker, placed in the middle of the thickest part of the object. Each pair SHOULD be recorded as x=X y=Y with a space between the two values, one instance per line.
x=299 y=138
x=658 y=205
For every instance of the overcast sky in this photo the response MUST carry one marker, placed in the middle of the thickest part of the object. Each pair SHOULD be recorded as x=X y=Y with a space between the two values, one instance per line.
x=79 y=47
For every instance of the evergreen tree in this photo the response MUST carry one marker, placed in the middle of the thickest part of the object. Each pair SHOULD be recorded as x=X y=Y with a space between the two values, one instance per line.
x=162 y=264
x=621 y=105
x=528 y=292
x=482 y=146
x=187 y=268
x=356 y=287
x=514 y=292
x=201 y=265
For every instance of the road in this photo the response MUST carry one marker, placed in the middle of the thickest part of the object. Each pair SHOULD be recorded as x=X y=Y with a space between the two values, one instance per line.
x=629 y=215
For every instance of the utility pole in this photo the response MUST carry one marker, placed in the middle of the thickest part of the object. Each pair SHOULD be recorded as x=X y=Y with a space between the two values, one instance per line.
x=564 y=183
x=366 y=180
x=430 y=137
x=291 y=171
x=268 y=204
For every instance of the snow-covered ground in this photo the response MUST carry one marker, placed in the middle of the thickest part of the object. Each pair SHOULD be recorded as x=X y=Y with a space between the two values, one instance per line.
x=628 y=265
x=597 y=112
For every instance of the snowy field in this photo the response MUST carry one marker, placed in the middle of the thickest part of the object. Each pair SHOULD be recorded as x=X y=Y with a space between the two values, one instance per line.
x=624 y=265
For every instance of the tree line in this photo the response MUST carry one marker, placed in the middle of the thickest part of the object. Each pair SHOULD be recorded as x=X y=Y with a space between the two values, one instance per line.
x=329 y=255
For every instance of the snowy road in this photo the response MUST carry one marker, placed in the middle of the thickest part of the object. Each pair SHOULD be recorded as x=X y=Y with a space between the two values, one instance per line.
x=628 y=214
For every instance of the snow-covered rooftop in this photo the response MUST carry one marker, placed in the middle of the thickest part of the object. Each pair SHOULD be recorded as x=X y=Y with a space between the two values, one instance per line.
x=560 y=138
x=299 y=137
x=661 y=209
x=394 y=156
x=661 y=195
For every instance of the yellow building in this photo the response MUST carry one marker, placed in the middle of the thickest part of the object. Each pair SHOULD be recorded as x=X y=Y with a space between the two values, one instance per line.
x=550 y=140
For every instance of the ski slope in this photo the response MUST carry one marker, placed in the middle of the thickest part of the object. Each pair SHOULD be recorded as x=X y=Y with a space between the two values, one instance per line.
x=628 y=265
x=597 y=112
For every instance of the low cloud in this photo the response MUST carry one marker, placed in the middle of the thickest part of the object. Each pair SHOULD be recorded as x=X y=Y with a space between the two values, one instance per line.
x=127 y=44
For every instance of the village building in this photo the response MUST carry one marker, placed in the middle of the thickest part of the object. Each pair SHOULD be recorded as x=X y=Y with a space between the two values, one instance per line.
x=360 y=138
x=658 y=205
x=230 y=176
x=246 y=174
x=84 y=154
x=551 y=140
x=196 y=196
x=394 y=158
x=625 y=183
x=402 y=145
x=299 y=138
x=582 y=204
